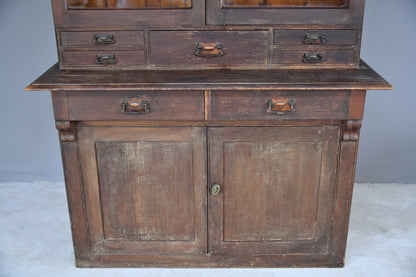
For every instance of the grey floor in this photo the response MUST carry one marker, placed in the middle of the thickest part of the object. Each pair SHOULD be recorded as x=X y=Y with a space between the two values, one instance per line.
x=35 y=237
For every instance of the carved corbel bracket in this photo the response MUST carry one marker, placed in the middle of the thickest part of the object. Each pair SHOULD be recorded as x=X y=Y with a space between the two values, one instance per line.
x=66 y=130
x=352 y=130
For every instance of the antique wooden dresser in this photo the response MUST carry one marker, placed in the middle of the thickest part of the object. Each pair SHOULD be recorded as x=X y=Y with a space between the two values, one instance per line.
x=209 y=133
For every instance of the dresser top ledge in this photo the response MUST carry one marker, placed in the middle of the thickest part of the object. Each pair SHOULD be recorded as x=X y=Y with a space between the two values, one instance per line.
x=363 y=78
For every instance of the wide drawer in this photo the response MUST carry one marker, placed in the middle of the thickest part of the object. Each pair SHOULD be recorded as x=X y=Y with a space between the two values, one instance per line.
x=315 y=37
x=208 y=48
x=102 y=39
x=275 y=105
x=133 y=105
x=313 y=57
x=102 y=59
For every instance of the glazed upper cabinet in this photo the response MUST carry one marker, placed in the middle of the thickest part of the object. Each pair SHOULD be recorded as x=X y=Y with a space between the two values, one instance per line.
x=204 y=34
x=211 y=12
x=109 y=13
x=285 y=11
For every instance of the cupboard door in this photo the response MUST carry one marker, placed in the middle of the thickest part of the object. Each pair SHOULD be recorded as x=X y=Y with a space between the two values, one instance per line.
x=145 y=189
x=113 y=13
x=276 y=189
x=285 y=12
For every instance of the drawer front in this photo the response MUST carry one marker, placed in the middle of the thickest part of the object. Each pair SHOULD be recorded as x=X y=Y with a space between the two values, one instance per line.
x=103 y=39
x=315 y=37
x=132 y=105
x=208 y=48
x=272 y=105
x=313 y=57
x=103 y=59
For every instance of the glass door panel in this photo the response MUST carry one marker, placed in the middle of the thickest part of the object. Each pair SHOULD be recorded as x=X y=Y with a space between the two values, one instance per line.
x=287 y=12
x=286 y=3
x=129 y=4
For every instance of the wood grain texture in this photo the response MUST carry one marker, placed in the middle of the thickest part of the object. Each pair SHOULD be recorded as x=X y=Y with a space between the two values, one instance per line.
x=252 y=105
x=296 y=57
x=177 y=49
x=88 y=59
x=144 y=189
x=163 y=105
x=363 y=78
x=264 y=206
x=86 y=39
x=297 y=37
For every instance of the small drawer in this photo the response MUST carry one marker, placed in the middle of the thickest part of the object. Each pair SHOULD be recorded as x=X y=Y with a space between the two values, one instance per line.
x=275 y=105
x=102 y=39
x=103 y=59
x=133 y=105
x=315 y=37
x=208 y=48
x=313 y=57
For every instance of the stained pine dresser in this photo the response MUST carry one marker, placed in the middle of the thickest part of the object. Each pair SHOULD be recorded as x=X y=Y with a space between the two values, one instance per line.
x=209 y=133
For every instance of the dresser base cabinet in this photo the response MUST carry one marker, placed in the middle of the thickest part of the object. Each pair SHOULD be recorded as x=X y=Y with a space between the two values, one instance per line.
x=209 y=193
x=209 y=168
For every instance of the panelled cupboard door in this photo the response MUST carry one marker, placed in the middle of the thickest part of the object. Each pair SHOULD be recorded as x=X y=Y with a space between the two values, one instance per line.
x=145 y=189
x=276 y=189
x=227 y=12
x=121 y=13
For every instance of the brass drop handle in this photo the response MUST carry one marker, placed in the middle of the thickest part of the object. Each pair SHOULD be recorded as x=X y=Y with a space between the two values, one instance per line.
x=135 y=106
x=313 y=58
x=315 y=39
x=208 y=50
x=280 y=106
x=215 y=189
x=105 y=59
x=103 y=39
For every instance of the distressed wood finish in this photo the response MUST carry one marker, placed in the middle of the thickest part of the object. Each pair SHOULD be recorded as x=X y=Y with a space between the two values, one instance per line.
x=177 y=49
x=199 y=133
x=169 y=31
x=144 y=189
x=265 y=206
x=252 y=105
x=364 y=78
x=162 y=105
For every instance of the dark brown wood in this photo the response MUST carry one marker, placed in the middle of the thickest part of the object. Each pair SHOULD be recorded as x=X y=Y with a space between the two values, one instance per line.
x=87 y=39
x=252 y=105
x=60 y=110
x=218 y=14
x=64 y=17
x=329 y=57
x=144 y=189
x=198 y=133
x=88 y=59
x=129 y=4
x=286 y=3
x=163 y=105
x=363 y=78
x=264 y=206
x=177 y=49
x=357 y=102
x=331 y=37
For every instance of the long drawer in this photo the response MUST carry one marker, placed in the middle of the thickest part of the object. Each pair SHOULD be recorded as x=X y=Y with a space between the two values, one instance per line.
x=279 y=105
x=208 y=48
x=136 y=105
